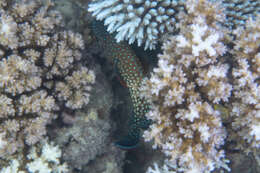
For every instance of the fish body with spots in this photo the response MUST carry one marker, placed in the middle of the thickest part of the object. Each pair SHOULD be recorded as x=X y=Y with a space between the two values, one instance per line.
x=131 y=73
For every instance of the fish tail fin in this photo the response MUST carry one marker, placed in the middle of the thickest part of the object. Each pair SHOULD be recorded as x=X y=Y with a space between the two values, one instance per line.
x=131 y=140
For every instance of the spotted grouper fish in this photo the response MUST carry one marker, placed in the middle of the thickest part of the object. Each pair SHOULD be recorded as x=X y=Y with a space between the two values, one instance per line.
x=131 y=73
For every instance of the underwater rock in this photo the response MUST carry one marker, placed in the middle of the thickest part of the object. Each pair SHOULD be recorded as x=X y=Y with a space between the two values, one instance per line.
x=88 y=135
x=109 y=162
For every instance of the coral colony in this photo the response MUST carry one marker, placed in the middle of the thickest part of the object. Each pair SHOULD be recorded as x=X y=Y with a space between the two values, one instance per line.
x=141 y=20
x=188 y=81
x=146 y=21
x=203 y=94
x=208 y=66
x=40 y=72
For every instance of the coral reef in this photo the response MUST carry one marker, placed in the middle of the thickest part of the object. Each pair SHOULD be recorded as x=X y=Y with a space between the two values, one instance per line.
x=165 y=169
x=111 y=161
x=245 y=109
x=87 y=138
x=41 y=73
x=41 y=158
x=182 y=90
x=198 y=84
x=88 y=132
x=238 y=11
x=201 y=80
x=142 y=20
x=149 y=21
x=203 y=94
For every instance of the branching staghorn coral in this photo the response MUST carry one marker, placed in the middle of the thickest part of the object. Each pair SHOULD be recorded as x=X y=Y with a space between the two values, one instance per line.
x=41 y=72
x=190 y=78
x=142 y=20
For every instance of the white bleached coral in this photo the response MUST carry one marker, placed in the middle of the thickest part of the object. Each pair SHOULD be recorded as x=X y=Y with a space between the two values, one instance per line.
x=166 y=168
x=41 y=158
x=200 y=41
x=46 y=162
x=142 y=20
x=12 y=168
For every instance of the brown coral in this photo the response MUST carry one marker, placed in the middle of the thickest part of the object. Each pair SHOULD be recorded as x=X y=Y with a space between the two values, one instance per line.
x=36 y=58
